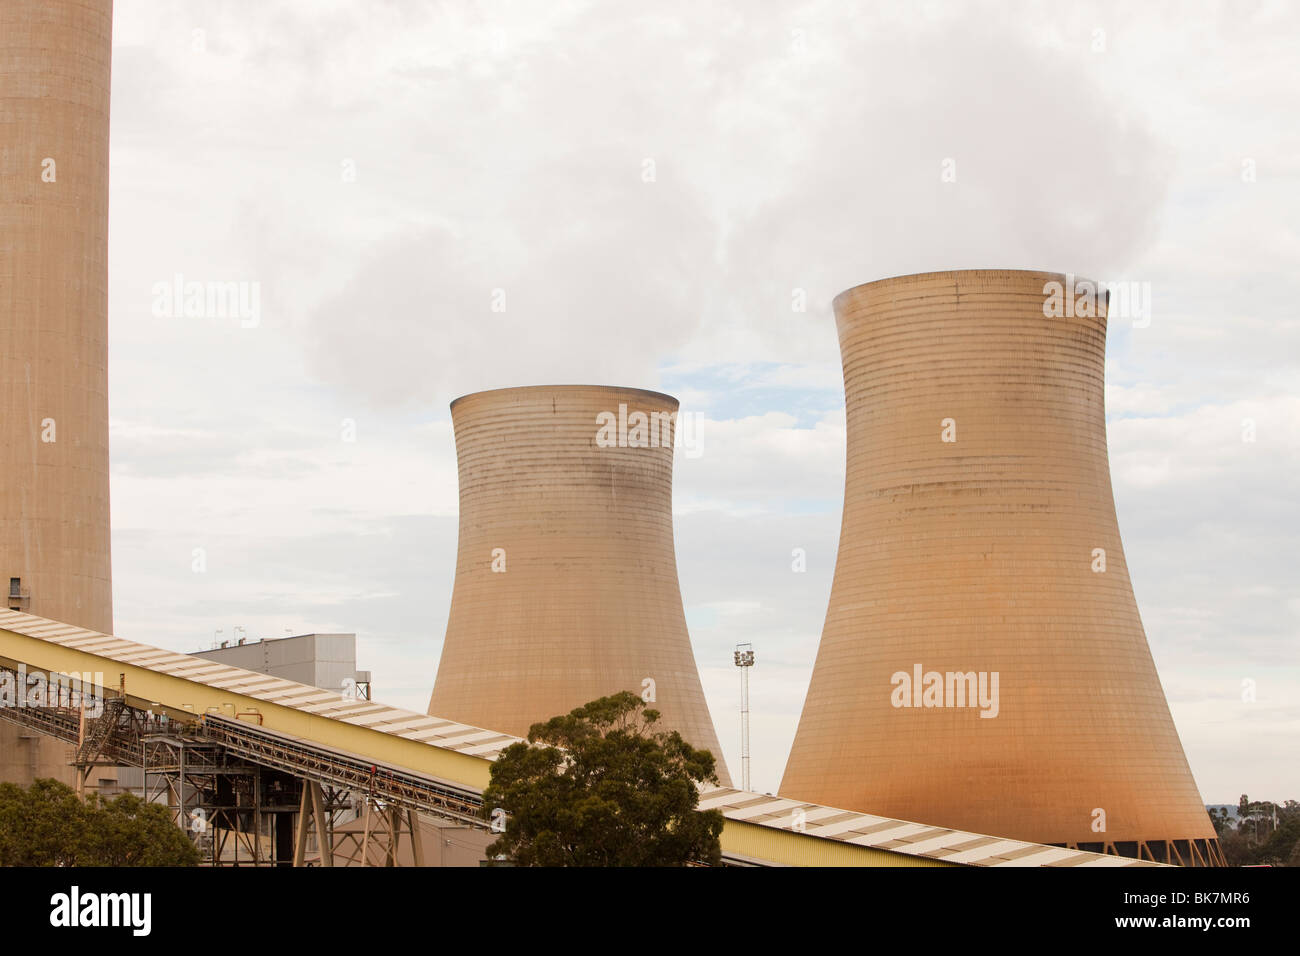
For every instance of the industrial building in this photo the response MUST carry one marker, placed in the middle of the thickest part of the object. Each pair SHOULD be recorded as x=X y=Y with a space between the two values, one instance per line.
x=236 y=731
x=54 y=515
x=327 y=661
x=983 y=664
x=566 y=576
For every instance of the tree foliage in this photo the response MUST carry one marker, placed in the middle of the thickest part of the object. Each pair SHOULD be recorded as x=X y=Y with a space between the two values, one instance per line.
x=47 y=825
x=601 y=786
x=1262 y=833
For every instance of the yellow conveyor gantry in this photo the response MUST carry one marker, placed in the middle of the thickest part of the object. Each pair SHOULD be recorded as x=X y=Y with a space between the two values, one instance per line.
x=764 y=829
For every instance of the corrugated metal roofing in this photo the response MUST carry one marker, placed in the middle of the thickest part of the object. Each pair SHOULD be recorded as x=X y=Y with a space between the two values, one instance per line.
x=774 y=812
x=435 y=731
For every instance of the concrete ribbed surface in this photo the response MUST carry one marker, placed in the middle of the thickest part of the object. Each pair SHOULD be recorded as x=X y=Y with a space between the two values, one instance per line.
x=589 y=602
x=54 y=504
x=977 y=555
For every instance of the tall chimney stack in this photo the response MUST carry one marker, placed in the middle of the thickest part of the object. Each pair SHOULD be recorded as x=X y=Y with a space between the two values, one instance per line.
x=54 y=515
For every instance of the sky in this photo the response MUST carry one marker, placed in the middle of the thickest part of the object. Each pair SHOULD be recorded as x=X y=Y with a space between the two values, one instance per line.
x=417 y=201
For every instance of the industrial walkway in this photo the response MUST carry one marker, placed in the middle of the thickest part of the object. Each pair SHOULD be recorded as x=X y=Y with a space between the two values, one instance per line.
x=440 y=766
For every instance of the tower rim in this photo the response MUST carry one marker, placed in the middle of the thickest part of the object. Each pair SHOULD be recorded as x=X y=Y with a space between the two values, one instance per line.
x=528 y=389
x=909 y=277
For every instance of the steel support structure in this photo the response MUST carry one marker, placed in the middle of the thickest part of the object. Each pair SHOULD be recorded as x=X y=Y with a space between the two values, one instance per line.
x=239 y=791
x=379 y=843
x=1175 y=852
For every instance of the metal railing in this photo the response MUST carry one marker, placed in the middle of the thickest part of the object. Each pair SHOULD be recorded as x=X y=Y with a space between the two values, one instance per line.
x=398 y=786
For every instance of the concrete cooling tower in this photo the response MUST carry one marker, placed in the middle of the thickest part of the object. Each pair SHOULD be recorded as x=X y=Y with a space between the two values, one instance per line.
x=54 y=531
x=983 y=665
x=566 y=578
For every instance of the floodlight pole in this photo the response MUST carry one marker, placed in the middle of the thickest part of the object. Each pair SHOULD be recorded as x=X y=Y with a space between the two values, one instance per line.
x=744 y=658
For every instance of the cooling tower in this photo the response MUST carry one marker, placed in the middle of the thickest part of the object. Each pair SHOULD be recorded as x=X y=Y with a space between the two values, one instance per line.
x=983 y=665
x=566 y=578
x=54 y=540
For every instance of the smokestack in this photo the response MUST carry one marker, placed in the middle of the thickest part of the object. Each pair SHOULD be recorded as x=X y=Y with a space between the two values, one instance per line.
x=54 y=516
x=983 y=665
x=566 y=578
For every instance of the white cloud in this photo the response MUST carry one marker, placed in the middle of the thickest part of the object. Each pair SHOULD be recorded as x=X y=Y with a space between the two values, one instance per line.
x=504 y=148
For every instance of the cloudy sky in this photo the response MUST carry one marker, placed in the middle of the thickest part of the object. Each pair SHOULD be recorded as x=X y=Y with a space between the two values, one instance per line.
x=649 y=190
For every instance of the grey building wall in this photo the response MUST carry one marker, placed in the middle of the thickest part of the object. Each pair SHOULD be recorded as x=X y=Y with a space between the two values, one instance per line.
x=326 y=661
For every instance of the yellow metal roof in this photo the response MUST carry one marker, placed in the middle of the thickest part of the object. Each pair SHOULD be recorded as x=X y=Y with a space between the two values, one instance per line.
x=768 y=828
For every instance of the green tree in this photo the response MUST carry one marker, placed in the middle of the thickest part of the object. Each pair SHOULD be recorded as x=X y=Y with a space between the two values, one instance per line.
x=47 y=825
x=127 y=831
x=42 y=825
x=1222 y=821
x=1266 y=832
x=601 y=786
